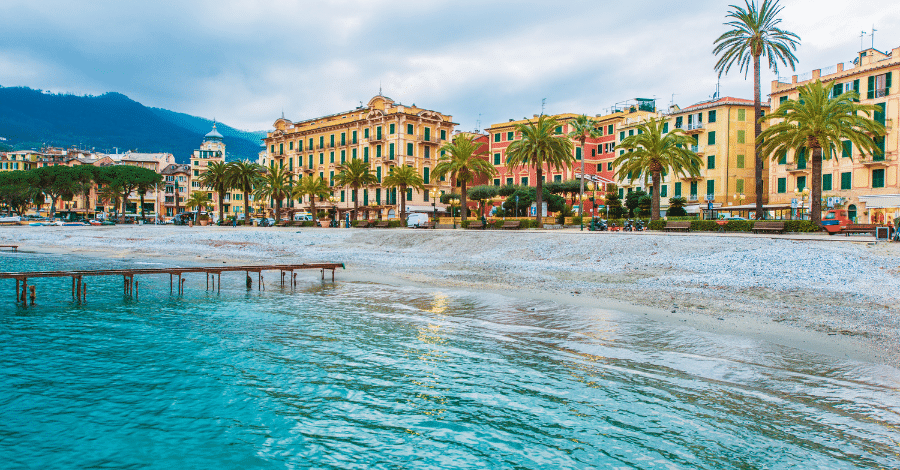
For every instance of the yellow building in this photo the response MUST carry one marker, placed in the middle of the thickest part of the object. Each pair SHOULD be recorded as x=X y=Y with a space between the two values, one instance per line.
x=723 y=132
x=212 y=150
x=867 y=187
x=17 y=160
x=383 y=134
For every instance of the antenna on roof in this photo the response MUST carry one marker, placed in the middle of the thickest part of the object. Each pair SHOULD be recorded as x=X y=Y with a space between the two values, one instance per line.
x=862 y=34
x=379 y=88
x=672 y=103
x=873 y=36
x=543 y=103
x=478 y=123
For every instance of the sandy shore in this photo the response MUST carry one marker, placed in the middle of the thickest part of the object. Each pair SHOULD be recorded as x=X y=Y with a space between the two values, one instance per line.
x=837 y=297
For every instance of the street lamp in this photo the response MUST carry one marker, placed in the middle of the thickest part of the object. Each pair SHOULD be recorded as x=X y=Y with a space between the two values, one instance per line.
x=434 y=193
x=333 y=201
x=801 y=194
x=453 y=204
x=739 y=197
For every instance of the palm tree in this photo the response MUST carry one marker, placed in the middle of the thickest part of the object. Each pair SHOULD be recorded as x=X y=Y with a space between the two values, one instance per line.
x=314 y=188
x=243 y=176
x=651 y=151
x=583 y=128
x=111 y=195
x=198 y=199
x=355 y=174
x=404 y=177
x=464 y=160
x=755 y=33
x=275 y=184
x=819 y=122
x=540 y=146
x=217 y=178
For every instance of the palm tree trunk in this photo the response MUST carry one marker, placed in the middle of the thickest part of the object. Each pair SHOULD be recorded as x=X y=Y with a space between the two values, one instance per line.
x=312 y=207
x=815 y=203
x=142 y=206
x=221 y=207
x=403 y=204
x=654 y=201
x=581 y=192
x=277 y=210
x=246 y=208
x=463 y=203
x=757 y=128
x=355 y=205
x=539 y=196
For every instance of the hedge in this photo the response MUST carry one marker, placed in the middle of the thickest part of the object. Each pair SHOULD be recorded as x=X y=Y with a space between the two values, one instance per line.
x=739 y=226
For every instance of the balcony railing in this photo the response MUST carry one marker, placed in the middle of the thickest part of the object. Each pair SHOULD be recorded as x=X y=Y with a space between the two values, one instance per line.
x=692 y=126
x=692 y=198
x=881 y=92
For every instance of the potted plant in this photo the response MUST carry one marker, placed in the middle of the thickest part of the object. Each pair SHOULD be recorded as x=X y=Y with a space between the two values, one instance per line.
x=203 y=218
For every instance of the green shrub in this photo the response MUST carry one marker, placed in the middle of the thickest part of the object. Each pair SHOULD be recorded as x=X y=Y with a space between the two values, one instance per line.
x=395 y=224
x=657 y=225
x=800 y=226
x=308 y=223
x=738 y=225
x=704 y=226
x=465 y=223
x=577 y=220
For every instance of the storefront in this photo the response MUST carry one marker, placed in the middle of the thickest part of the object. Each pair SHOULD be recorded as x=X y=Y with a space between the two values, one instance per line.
x=878 y=209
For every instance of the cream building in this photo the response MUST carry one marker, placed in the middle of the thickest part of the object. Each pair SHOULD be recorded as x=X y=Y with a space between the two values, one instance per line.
x=383 y=134
x=868 y=187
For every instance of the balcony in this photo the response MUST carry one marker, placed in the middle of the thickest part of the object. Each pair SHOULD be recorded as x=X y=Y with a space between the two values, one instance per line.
x=427 y=140
x=694 y=128
x=883 y=160
x=797 y=168
x=693 y=198
x=698 y=150
x=376 y=138
x=881 y=92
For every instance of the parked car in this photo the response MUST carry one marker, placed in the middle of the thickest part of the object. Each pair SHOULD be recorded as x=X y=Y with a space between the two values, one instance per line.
x=264 y=222
x=416 y=219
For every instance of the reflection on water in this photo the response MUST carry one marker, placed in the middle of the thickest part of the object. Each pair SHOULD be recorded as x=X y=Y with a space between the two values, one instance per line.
x=359 y=376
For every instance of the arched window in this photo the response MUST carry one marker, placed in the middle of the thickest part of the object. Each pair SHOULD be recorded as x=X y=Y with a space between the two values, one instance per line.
x=851 y=212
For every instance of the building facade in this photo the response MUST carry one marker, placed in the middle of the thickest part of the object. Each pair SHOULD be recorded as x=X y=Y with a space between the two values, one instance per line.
x=867 y=186
x=212 y=150
x=383 y=134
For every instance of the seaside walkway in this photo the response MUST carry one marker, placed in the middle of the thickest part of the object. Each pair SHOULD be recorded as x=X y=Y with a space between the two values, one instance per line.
x=130 y=285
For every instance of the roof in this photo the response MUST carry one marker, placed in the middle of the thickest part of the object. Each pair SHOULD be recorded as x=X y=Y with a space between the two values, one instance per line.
x=727 y=100
x=144 y=157
x=213 y=134
x=175 y=168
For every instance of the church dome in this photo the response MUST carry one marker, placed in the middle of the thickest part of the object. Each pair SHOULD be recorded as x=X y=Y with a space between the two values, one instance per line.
x=213 y=134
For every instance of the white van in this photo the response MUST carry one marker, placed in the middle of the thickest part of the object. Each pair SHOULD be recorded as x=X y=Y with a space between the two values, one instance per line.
x=416 y=219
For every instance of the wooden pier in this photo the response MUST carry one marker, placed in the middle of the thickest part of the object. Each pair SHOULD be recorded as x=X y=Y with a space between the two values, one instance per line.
x=130 y=285
x=11 y=247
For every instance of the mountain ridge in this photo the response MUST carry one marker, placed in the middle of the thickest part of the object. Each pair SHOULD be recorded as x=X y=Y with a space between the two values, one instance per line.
x=30 y=119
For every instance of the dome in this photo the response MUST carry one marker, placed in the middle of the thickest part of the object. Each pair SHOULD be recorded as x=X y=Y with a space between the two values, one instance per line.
x=213 y=134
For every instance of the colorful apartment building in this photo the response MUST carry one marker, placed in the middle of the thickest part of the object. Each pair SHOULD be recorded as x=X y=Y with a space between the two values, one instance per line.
x=212 y=150
x=722 y=130
x=867 y=186
x=383 y=134
x=176 y=188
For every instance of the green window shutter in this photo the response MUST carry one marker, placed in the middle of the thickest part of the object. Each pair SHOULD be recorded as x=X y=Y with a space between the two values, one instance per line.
x=621 y=193
x=557 y=178
x=678 y=122
x=801 y=158
x=710 y=186
x=878 y=178
x=378 y=132
x=343 y=138
x=291 y=164
x=782 y=185
x=366 y=133
x=310 y=143
x=392 y=128
x=870 y=91
x=331 y=140
x=366 y=154
x=409 y=148
x=826 y=182
x=443 y=134
x=310 y=162
x=377 y=151
x=410 y=129
x=378 y=193
x=740 y=161
x=273 y=149
x=577 y=153
x=510 y=135
x=742 y=137
x=664 y=191
x=665 y=128
x=343 y=156
x=524 y=181
x=712 y=117
x=343 y=195
x=321 y=158
x=426 y=175
x=496 y=159
x=677 y=190
x=847 y=149
x=739 y=185
x=509 y=181
x=741 y=115
x=879 y=149
x=782 y=160
x=609 y=129
x=378 y=173
x=609 y=166
x=879 y=113
x=427 y=134
x=354 y=137
x=353 y=154
x=630 y=132
x=887 y=83
x=497 y=182
x=621 y=136
x=409 y=194
x=711 y=138
x=365 y=197
x=847 y=180
x=391 y=150
x=331 y=157
x=291 y=145
x=694 y=189
x=321 y=142
x=497 y=137
x=711 y=162
x=427 y=152
x=330 y=178
x=837 y=89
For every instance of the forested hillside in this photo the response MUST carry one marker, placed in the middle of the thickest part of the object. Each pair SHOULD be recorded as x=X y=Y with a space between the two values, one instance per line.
x=32 y=119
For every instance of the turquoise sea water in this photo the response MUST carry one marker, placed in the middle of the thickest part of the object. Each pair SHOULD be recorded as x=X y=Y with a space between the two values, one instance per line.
x=352 y=375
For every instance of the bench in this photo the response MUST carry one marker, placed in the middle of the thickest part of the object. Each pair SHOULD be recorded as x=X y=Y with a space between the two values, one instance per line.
x=363 y=224
x=475 y=224
x=764 y=226
x=678 y=225
x=859 y=228
x=512 y=224
x=382 y=224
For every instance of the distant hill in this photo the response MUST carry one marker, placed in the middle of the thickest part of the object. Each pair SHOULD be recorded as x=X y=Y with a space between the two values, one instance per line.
x=30 y=119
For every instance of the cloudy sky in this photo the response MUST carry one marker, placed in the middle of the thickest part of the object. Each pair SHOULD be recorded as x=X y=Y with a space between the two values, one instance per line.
x=243 y=62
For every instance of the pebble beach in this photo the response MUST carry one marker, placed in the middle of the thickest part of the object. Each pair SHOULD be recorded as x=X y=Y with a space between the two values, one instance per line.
x=834 y=296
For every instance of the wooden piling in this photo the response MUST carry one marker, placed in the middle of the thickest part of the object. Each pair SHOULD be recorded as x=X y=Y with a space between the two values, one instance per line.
x=32 y=295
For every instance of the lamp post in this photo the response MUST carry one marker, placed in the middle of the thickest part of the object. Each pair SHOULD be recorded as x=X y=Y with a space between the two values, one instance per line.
x=739 y=197
x=801 y=195
x=434 y=193
x=453 y=204
x=333 y=201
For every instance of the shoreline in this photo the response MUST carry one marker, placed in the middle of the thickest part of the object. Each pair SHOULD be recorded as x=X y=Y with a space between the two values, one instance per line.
x=392 y=257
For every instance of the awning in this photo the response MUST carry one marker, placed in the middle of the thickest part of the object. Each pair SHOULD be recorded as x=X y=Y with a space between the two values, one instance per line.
x=881 y=201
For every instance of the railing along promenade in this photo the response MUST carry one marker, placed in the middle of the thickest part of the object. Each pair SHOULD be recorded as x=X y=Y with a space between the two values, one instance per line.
x=130 y=285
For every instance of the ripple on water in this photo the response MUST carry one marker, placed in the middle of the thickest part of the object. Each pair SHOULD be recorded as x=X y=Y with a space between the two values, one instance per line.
x=356 y=375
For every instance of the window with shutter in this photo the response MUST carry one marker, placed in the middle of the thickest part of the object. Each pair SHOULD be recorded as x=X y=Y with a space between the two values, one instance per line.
x=878 y=178
x=678 y=121
x=847 y=180
x=870 y=90
x=524 y=181
x=711 y=162
x=291 y=145
x=331 y=157
x=801 y=183
x=712 y=117
x=510 y=135
x=782 y=185
x=496 y=159
x=663 y=191
x=740 y=161
x=710 y=187
x=497 y=137
x=410 y=129
x=677 y=190
x=391 y=150
x=426 y=175
x=741 y=115
x=739 y=185
x=879 y=113
x=609 y=129
x=366 y=154
x=409 y=148
x=711 y=138
x=665 y=127
x=826 y=182
x=782 y=99
x=846 y=149
x=577 y=153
